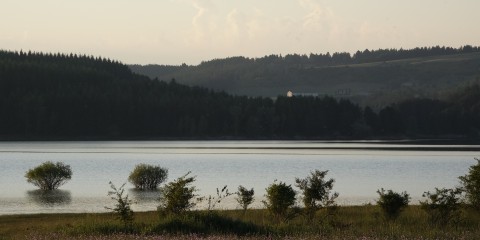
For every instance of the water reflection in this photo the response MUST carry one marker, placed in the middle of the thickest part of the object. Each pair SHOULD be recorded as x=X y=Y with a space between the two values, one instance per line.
x=144 y=196
x=50 y=198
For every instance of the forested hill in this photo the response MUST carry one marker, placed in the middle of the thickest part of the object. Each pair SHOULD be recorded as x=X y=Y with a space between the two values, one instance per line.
x=57 y=96
x=377 y=77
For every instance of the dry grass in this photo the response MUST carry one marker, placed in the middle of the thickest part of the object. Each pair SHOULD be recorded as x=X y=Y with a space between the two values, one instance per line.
x=359 y=222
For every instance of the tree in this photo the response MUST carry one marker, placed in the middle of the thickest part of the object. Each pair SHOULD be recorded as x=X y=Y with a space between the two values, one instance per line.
x=244 y=197
x=392 y=203
x=122 y=207
x=49 y=175
x=147 y=177
x=316 y=191
x=177 y=196
x=471 y=185
x=279 y=199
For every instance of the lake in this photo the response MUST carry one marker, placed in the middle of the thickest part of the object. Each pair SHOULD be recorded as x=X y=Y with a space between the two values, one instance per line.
x=359 y=169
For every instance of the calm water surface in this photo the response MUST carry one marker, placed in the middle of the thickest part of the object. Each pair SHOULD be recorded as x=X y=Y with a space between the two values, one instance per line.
x=358 y=168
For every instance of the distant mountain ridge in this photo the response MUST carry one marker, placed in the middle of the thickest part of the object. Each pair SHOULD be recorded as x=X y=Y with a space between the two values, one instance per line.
x=377 y=77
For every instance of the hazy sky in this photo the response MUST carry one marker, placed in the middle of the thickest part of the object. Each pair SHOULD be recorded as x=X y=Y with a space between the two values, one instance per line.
x=189 y=31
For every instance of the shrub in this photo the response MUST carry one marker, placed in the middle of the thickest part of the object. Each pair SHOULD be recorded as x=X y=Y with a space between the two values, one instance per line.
x=471 y=185
x=279 y=199
x=177 y=196
x=122 y=207
x=316 y=191
x=443 y=206
x=49 y=175
x=392 y=203
x=147 y=177
x=244 y=197
x=221 y=195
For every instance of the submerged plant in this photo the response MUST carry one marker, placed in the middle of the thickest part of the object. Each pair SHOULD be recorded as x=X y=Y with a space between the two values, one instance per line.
x=147 y=177
x=49 y=175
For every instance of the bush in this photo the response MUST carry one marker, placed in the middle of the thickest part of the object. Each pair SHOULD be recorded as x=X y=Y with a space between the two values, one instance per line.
x=122 y=207
x=147 y=177
x=392 y=203
x=316 y=191
x=49 y=175
x=280 y=198
x=244 y=197
x=443 y=206
x=177 y=196
x=471 y=185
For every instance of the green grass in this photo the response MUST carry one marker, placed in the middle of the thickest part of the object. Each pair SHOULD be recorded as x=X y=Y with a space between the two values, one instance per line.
x=347 y=223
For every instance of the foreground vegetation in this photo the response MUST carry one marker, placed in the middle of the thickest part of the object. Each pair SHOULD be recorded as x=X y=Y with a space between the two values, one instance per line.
x=446 y=214
x=343 y=223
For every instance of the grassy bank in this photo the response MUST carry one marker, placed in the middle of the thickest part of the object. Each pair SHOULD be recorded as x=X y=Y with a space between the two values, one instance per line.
x=345 y=223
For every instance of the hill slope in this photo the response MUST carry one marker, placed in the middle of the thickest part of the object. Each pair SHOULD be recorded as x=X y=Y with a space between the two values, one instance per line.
x=371 y=77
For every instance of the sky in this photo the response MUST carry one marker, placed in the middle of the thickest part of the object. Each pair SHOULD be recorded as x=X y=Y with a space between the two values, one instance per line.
x=190 y=31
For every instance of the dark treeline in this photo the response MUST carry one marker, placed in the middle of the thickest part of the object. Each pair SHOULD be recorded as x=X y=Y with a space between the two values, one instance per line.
x=328 y=59
x=46 y=96
x=339 y=58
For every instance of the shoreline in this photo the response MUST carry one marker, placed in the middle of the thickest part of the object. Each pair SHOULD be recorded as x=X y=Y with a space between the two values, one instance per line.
x=434 y=140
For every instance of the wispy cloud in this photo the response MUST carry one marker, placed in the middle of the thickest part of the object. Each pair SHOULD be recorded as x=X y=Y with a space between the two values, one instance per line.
x=200 y=20
x=227 y=29
x=320 y=21
x=176 y=31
